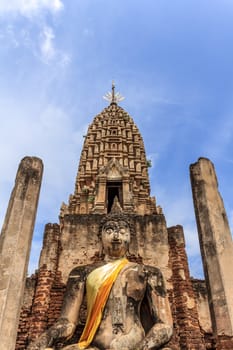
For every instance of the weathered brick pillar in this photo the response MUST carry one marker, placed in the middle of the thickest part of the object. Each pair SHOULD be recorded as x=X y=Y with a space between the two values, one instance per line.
x=46 y=275
x=25 y=314
x=216 y=245
x=185 y=308
x=15 y=243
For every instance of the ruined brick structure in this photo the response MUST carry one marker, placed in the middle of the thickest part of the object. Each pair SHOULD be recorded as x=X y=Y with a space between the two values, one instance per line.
x=15 y=244
x=113 y=163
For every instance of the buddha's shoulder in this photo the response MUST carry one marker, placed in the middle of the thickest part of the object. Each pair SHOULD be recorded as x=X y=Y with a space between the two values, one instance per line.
x=147 y=269
x=82 y=271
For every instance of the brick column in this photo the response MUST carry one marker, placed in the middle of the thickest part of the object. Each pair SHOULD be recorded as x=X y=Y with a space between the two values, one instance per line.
x=184 y=304
x=15 y=244
x=46 y=275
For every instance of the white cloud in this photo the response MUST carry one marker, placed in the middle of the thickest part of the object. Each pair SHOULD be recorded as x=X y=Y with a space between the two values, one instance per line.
x=34 y=34
x=48 y=52
x=41 y=45
x=49 y=135
x=29 y=8
x=47 y=48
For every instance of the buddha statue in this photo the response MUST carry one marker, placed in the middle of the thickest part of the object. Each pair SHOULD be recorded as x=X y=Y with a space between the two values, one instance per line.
x=127 y=304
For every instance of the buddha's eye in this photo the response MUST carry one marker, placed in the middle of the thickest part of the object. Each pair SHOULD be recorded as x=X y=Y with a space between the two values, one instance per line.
x=109 y=230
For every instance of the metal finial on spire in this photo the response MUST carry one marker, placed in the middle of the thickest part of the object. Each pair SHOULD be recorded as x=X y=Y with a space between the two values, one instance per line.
x=113 y=91
x=113 y=97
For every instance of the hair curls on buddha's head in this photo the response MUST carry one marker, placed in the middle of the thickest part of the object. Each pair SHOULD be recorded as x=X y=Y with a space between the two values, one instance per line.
x=116 y=217
x=116 y=214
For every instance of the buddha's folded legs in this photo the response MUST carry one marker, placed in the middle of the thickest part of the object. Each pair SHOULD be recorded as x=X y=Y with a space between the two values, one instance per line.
x=76 y=347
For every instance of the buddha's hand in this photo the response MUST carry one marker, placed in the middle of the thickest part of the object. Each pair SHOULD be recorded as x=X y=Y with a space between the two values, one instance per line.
x=62 y=329
x=116 y=345
x=140 y=347
x=121 y=343
x=40 y=343
x=133 y=340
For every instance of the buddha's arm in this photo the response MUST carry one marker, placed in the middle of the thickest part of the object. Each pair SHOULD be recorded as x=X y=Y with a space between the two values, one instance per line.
x=65 y=326
x=161 y=332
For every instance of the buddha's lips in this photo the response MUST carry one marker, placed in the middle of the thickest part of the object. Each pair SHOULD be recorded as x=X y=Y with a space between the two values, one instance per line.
x=117 y=242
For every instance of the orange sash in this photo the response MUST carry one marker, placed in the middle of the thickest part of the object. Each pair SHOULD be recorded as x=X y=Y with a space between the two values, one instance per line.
x=99 y=284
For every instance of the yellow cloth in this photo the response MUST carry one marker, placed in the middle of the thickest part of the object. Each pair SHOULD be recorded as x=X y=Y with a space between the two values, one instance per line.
x=98 y=285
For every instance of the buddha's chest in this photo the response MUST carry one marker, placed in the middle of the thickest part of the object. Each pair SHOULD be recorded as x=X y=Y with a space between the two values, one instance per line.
x=124 y=300
x=130 y=283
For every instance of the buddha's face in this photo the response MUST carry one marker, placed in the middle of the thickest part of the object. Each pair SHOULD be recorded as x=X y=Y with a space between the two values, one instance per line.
x=115 y=238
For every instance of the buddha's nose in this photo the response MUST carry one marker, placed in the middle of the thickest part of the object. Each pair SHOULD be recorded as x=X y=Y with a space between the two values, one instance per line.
x=116 y=234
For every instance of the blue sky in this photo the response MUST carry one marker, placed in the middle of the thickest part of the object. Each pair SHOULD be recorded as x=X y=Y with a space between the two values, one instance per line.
x=171 y=59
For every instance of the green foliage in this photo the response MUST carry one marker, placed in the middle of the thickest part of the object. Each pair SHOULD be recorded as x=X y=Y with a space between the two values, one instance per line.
x=91 y=199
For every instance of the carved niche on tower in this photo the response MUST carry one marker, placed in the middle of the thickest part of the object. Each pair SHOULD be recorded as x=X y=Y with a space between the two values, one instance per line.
x=112 y=181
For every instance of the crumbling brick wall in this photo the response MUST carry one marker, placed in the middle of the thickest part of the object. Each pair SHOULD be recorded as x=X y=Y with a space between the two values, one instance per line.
x=183 y=299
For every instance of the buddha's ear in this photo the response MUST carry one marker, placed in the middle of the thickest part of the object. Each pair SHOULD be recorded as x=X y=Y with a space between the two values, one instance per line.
x=101 y=248
x=128 y=253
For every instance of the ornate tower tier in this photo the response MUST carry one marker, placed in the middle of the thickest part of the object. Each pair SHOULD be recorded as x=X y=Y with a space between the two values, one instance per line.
x=113 y=163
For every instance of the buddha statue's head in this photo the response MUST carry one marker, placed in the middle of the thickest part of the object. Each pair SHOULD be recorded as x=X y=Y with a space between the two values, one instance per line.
x=115 y=237
x=115 y=232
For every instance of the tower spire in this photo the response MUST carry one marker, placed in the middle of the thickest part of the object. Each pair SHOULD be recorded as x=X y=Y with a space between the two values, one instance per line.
x=113 y=97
